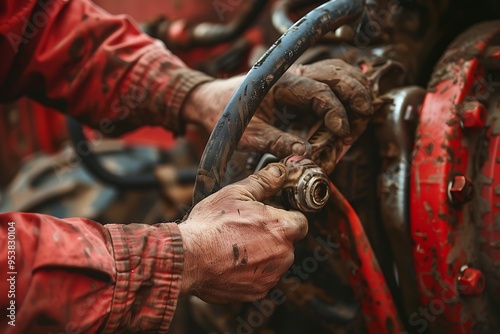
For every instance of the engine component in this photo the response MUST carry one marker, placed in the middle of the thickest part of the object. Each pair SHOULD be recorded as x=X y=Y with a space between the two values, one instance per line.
x=307 y=186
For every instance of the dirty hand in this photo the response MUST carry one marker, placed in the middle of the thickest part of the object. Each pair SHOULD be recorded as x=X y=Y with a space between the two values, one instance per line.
x=334 y=90
x=237 y=248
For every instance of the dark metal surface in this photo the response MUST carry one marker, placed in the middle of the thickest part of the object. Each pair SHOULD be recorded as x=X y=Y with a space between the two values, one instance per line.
x=395 y=131
x=259 y=80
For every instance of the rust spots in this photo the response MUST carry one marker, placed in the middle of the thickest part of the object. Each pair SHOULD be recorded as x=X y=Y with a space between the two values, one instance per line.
x=428 y=208
x=429 y=148
x=390 y=325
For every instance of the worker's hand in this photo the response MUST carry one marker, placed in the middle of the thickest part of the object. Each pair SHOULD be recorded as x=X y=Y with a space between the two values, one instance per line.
x=330 y=89
x=237 y=248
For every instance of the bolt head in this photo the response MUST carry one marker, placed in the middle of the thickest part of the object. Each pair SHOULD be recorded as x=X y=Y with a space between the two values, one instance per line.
x=474 y=115
x=471 y=282
x=461 y=190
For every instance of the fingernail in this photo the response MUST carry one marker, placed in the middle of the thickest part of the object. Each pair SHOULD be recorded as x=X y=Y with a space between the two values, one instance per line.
x=275 y=170
x=334 y=124
x=361 y=104
x=299 y=148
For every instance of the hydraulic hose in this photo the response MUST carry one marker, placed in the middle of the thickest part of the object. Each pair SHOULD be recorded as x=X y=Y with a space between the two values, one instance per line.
x=136 y=181
x=259 y=80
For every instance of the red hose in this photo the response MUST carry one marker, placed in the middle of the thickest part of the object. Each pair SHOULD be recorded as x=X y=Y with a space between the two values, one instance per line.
x=365 y=274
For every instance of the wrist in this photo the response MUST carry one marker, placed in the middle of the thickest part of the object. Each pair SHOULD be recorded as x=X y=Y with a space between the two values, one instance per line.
x=199 y=105
x=190 y=270
x=206 y=102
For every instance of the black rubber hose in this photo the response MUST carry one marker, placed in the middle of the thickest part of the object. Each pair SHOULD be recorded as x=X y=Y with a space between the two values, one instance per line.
x=209 y=34
x=259 y=80
x=94 y=166
x=91 y=162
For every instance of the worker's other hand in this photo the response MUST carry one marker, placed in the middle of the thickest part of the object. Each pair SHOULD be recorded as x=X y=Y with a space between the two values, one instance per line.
x=331 y=90
x=237 y=248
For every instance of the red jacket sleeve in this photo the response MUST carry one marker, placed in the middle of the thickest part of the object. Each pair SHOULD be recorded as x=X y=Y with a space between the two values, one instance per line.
x=77 y=276
x=75 y=57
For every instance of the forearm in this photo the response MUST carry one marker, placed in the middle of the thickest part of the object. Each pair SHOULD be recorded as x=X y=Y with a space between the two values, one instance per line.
x=77 y=273
x=92 y=65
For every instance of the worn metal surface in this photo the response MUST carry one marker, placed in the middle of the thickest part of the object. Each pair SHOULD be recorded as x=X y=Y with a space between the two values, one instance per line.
x=395 y=126
x=306 y=188
x=263 y=75
x=444 y=234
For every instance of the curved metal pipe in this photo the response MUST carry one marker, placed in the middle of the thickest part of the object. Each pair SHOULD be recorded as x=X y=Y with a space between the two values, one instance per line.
x=259 y=80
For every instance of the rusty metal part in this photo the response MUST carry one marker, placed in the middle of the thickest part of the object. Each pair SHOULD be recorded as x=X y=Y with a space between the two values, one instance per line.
x=366 y=276
x=444 y=235
x=460 y=190
x=394 y=128
x=306 y=187
x=471 y=281
x=259 y=80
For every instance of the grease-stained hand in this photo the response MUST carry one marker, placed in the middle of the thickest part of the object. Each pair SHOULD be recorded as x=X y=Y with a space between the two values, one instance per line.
x=237 y=248
x=331 y=90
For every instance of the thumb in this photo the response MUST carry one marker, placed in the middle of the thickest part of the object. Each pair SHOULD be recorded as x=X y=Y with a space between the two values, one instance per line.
x=263 y=184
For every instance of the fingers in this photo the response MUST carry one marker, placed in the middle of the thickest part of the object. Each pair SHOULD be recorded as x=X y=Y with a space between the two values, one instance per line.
x=263 y=138
x=262 y=185
x=307 y=94
x=354 y=93
x=348 y=83
x=322 y=68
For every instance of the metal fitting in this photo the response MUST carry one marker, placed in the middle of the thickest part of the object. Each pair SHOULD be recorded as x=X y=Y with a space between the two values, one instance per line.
x=474 y=115
x=460 y=190
x=471 y=281
x=307 y=187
